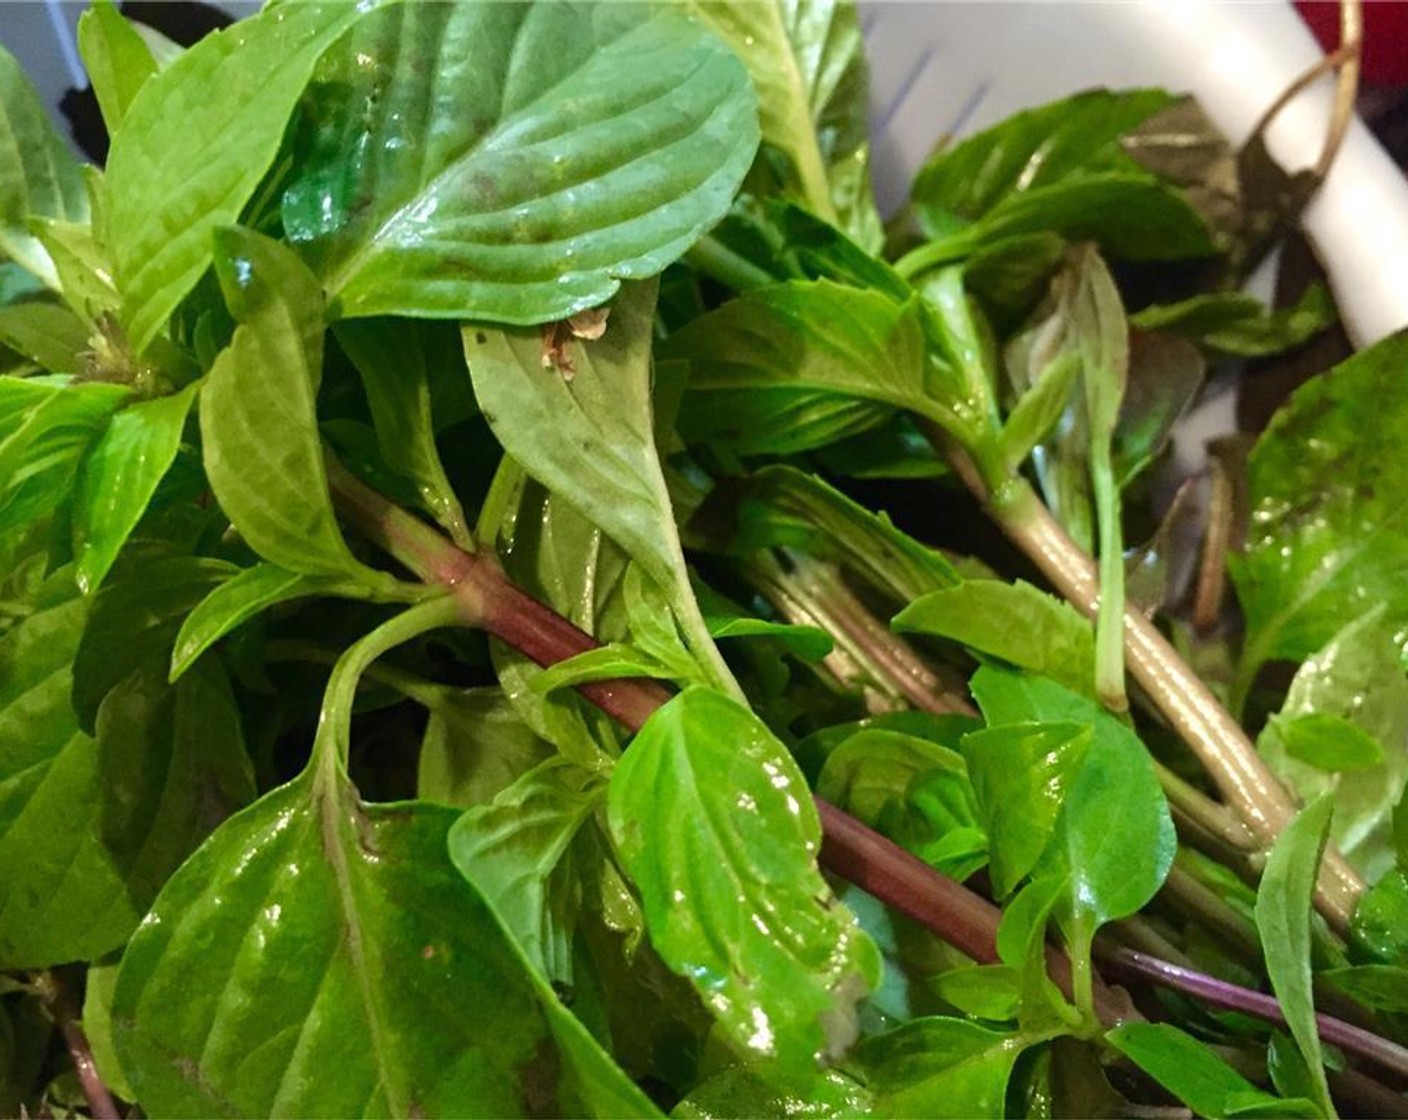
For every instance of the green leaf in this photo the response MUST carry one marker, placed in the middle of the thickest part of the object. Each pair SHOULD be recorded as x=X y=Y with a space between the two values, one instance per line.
x=258 y=414
x=1021 y=774
x=1039 y=408
x=476 y=745
x=1351 y=696
x=134 y=619
x=762 y=357
x=398 y=362
x=1283 y=910
x=220 y=971
x=520 y=194
x=940 y=1068
x=1185 y=1067
x=984 y=991
x=1060 y=167
x=119 y=477
x=746 y=1091
x=1329 y=527
x=807 y=64
x=870 y=772
x=239 y=599
x=45 y=427
x=1238 y=324
x=53 y=336
x=39 y=178
x=1014 y=622
x=782 y=507
x=735 y=902
x=1379 y=930
x=1114 y=836
x=1328 y=742
x=82 y=266
x=169 y=189
x=513 y=852
x=603 y=459
x=117 y=59
x=1379 y=986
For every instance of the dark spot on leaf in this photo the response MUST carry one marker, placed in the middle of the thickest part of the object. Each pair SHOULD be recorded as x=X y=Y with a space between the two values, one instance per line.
x=540 y=1075
x=480 y=337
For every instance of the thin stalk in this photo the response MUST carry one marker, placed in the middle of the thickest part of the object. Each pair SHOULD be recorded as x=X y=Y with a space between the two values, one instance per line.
x=1203 y=814
x=1355 y=1040
x=1211 y=733
x=716 y=260
x=61 y=1006
x=1109 y=622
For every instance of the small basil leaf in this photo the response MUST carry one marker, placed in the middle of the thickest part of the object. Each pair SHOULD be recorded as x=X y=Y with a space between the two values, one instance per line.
x=948 y=1069
x=117 y=59
x=1185 y=1067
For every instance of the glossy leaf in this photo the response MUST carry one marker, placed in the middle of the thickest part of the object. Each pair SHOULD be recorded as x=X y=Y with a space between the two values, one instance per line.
x=735 y=902
x=742 y=1091
x=219 y=971
x=515 y=191
x=513 y=852
x=1021 y=773
x=1329 y=531
x=169 y=189
x=258 y=416
x=1379 y=930
x=726 y=619
x=1379 y=986
x=117 y=59
x=1283 y=912
x=119 y=477
x=870 y=772
x=1348 y=704
x=1014 y=622
x=1185 y=1067
x=757 y=364
x=98 y=985
x=398 y=363
x=39 y=178
x=1114 y=837
x=239 y=599
x=986 y=991
x=940 y=1068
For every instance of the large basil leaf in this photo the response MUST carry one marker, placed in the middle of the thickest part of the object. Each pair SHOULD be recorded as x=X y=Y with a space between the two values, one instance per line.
x=119 y=477
x=839 y=359
x=1350 y=694
x=735 y=901
x=488 y=160
x=806 y=60
x=39 y=177
x=258 y=413
x=169 y=189
x=1329 y=528
x=404 y=1013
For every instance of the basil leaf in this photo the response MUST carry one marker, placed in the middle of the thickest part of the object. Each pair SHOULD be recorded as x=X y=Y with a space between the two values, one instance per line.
x=948 y=1069
x=1185 y=1067
x=514 y=851
x=1021 y=775
x=1329 y=526
x=529 y=200
x=38 y=175
x=1238 y=324
x=870 y=772
x=119 y=477
x=1379 y=929
x=735 y=902
x=475 y=746
x=1014 y=622
x=1346 y=711
x=168 y=189
x=369 y=1029
x=1283 y=914
x=258 y=418
x=117 y=59
x=1379 y=986
x=53 y=336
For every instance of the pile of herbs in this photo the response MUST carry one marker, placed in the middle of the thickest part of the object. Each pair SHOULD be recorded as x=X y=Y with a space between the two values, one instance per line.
x=455 y=658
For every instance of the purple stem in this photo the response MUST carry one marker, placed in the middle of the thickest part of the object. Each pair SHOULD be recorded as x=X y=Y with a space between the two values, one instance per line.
x=1130 y=963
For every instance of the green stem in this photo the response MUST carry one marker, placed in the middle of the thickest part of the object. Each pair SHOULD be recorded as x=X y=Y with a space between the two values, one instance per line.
x=933 y=255
x=1211 y=733
x=715 y=259
x=1109 y=623
x=1209 y=817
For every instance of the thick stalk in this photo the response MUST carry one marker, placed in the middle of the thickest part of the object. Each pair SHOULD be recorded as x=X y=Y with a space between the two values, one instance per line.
x=1211 y=733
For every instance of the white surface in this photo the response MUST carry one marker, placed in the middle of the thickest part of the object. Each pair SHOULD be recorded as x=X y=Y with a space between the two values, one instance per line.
x=960 y=67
